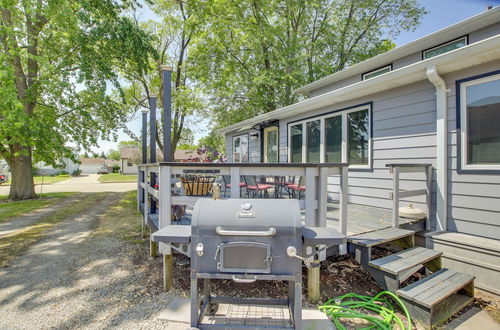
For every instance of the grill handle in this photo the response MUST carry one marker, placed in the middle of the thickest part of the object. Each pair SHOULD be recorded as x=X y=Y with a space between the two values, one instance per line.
x=244 y=280
x=221 y=231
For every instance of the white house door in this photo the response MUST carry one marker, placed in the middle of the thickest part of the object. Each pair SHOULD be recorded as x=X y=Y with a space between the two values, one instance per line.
x=271 y=154
x=240 y=149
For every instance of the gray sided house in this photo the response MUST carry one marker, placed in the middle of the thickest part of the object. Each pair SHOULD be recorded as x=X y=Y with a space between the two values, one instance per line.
x=433 y=101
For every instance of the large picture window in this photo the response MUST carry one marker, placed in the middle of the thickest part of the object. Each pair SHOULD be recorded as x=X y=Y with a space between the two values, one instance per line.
x=343 y=136
x=480 y=121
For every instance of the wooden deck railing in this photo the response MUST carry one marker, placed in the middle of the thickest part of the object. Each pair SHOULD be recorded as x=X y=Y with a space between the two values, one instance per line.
x=314 y=203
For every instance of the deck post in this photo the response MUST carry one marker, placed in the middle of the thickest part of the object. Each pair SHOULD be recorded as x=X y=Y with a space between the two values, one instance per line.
x=322 y=196
x=153 y=246
x=395 y=196
x=311 y=202
x=428 y=191
x=235 y=182
x=313 y=282
x=165 y=219
x=344 y=200
x=146 y=202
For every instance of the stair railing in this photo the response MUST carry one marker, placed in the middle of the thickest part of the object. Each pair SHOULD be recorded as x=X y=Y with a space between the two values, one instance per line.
x=397 y=194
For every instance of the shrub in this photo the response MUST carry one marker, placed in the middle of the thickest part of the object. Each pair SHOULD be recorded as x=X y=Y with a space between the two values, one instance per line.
x=76 y=172
x=116 y=168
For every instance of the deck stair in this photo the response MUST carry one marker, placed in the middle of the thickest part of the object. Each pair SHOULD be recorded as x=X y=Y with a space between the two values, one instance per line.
x=433 y=298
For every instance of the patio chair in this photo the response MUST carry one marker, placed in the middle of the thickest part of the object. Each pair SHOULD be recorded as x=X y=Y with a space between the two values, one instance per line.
x=227 y=184
x=254 y=188
x=297 y=188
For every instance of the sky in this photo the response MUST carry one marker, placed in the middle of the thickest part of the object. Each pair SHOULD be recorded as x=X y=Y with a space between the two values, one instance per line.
x=441 y=13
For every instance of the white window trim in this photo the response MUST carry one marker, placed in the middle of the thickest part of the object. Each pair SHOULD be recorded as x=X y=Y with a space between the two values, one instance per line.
x=345 y=136
x=464 y=142
x=375 y=71
x=444 y=45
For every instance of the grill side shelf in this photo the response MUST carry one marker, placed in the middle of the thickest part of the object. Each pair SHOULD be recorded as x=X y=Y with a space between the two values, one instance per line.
x=173 y=234
x=322 y=235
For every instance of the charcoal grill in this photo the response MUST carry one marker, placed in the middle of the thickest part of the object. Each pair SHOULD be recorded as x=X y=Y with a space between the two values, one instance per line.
x=247 y=240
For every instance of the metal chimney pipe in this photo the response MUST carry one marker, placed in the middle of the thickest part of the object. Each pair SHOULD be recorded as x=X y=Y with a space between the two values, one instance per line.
x=144 y=158
x=152 y=129
x=167 y=112
x=152 y=144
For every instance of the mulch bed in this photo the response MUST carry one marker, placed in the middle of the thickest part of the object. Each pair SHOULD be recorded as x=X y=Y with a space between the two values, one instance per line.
x=339 y=275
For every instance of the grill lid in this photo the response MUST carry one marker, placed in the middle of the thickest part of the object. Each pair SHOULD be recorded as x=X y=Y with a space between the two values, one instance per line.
x=246 y=217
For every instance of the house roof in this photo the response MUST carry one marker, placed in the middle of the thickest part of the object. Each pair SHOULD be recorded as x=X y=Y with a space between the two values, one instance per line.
x=451 y=32
x=97 y=161
x=133 y=152
x=483 y=51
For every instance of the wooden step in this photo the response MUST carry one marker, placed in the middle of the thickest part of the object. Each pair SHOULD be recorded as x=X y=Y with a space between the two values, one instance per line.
x=379 y=237
x=405 y=260
x=437 y=297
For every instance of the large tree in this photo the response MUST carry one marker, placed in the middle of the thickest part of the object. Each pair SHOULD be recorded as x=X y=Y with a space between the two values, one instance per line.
x=173 y=32
x=58 y=80
x=252 y=54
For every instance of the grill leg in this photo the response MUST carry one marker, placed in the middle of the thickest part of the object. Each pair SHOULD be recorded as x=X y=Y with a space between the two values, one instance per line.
x=297 y=305
x=194 y=301
x=206 y=290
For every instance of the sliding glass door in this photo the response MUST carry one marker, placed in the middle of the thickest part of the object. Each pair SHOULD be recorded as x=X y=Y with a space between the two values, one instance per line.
x=240 y=149
x=271 y=153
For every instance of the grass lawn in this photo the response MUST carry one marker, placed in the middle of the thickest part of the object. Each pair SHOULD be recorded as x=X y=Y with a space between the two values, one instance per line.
x=129 y=225
x=117 y=177
x=46 y=179
x=15 y=243
x=12 y=209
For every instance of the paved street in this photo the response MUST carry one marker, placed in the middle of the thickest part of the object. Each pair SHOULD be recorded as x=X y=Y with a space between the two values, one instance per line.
x=82 y=183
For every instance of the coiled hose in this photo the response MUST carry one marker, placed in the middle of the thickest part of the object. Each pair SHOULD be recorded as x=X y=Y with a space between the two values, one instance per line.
x=347 y=306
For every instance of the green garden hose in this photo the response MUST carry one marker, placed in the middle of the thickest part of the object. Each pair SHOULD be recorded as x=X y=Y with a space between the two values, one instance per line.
x=348 y=305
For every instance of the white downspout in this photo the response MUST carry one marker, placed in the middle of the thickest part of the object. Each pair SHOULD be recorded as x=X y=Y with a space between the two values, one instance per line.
x=442 y=148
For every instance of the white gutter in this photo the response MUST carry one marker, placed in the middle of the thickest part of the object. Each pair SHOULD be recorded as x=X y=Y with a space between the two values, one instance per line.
x=442 y=148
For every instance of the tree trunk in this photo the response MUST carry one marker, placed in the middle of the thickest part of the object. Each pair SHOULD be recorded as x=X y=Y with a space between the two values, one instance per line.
x=22 y=186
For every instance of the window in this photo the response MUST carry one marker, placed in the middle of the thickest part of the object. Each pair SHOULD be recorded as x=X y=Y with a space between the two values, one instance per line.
x=129 y=163
x=333 y=139
x=313 y=141
x=240 y=149
x=358 y=137
x=480 y=121
x=377 y=72
x=344 y=136
x=445 y=48
x=296 y=144
x=271 y=145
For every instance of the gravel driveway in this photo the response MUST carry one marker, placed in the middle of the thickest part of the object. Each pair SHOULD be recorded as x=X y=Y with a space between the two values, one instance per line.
x=82 y=183
x=73 y=280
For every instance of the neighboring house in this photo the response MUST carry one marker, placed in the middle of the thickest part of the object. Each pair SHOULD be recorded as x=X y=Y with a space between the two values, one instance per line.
x=67 y=165
x=435 y=100
x=91 y=165
x=130 y=156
